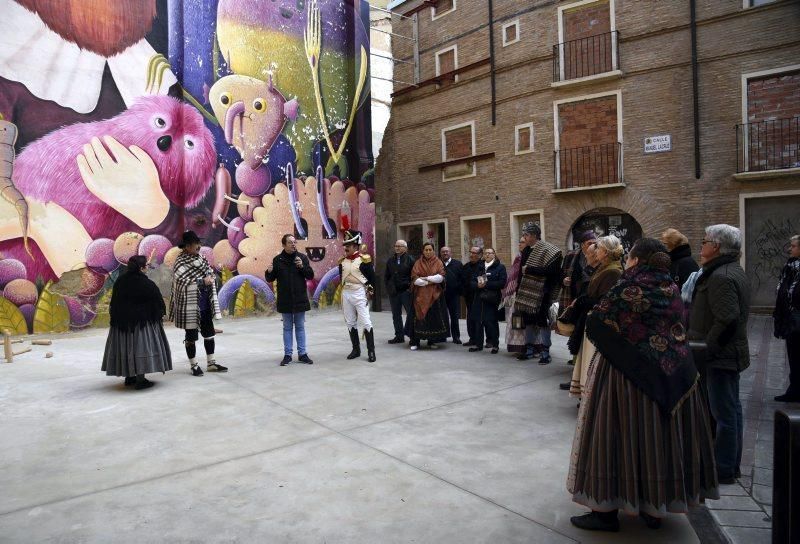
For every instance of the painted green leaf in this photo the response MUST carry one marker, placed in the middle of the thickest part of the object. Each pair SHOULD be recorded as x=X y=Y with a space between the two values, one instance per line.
x=226 y=275
x=51 y=313
x=11 y=318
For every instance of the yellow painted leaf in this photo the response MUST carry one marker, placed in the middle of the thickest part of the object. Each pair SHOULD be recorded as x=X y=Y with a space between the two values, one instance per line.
x=11 y=318
x=245 y=300
x=103 y=317
x=51 y=313
x=337 y=297
x=226 y=275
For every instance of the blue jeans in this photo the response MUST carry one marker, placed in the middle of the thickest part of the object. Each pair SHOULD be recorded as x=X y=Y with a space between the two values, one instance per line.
x=298 y=323
x=723 y=399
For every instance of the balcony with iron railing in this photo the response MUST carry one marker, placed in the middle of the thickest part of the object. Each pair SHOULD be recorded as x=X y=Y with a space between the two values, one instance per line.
x=586 y=58
x=768 y=146
x=596 y=166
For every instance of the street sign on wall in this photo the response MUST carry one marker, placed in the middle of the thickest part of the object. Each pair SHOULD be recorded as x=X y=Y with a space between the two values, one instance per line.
x=658 y=144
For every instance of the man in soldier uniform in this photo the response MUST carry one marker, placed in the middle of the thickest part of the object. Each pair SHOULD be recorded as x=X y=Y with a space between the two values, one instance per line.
x=357 y=279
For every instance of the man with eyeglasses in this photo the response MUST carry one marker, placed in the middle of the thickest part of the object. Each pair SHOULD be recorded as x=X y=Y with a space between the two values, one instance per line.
x=719 y=319
x=469 y=271
x=398 y=283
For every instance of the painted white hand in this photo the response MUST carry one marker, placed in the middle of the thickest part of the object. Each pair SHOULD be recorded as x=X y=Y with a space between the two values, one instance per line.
x=126 y=179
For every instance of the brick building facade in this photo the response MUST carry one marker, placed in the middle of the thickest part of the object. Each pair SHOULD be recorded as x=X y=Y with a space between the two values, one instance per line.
x=582 y=91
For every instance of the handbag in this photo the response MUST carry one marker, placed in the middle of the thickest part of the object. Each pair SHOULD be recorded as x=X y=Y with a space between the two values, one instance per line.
x=564 y=329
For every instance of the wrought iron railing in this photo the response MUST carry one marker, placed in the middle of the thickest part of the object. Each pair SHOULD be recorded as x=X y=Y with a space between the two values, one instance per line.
x=588 y=166
x=768 y=145
x=586 y=56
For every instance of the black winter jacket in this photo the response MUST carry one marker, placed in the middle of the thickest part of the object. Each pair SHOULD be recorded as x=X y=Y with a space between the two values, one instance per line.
x=682 y=264
x=398 y=276
x=292 y=290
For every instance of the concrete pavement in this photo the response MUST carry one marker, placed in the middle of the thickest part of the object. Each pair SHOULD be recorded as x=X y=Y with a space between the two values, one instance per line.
x=429 y=446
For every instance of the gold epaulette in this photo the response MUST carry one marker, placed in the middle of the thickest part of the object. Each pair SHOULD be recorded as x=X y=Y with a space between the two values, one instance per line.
x=342 y=260
x=365 y=258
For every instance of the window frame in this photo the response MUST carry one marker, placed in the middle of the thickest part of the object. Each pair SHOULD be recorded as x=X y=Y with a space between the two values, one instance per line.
x=516 y=138
x=515 y=23
x=474 y=173
x=746 y=77
x=556 y=139
x=613 y=28
x=435 y=16
x=463 y=224
x=437 y=54
x=515 y=234
x=425 y=227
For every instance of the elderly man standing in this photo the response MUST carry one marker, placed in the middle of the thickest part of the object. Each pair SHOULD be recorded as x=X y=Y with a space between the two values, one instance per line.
x=469 y=271
x=719 y=318
x=398 y=283
x=538 y=289
x=452 y=291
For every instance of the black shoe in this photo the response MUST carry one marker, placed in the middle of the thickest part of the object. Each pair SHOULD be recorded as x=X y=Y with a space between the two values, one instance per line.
x=396 y=340
x=305 y=359
x=356 y=351
x=369 y=336
x=596 y=521
x=652 y=522
x=495 y=350
x=571 y=362
x=545 y=360
x=564 y=386
x=130 y=381
x=197 y=371
x=214 y=366
x=473 y=350
x=287 y=359
x=786 y=397
x=470 y=343
x=457 y=341
x=487 y=345
x=524 y=356
x=144 y=383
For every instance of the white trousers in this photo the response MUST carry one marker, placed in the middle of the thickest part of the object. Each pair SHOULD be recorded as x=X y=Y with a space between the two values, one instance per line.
x=355 y=305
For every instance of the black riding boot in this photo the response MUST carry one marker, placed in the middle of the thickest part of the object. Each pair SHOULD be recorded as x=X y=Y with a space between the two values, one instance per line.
x=370 y=345
x=356 y=345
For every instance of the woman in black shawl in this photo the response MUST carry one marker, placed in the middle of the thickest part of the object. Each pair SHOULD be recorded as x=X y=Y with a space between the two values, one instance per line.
x=136 y=342
x=643 y=439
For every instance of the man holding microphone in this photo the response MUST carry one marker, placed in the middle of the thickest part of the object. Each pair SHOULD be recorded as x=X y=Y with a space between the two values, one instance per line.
x=290 y=270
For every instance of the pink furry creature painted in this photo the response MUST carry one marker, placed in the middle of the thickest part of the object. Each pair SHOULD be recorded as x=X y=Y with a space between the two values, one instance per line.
x=100 y=179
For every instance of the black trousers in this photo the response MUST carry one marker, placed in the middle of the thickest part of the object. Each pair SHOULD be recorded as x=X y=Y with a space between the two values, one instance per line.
x=492 y=329
x=453 y=301
x=472 y=324
x=398 y=302
x=793 y=352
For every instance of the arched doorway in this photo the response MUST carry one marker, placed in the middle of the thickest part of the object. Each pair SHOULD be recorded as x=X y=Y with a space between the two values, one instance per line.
x=605 y=221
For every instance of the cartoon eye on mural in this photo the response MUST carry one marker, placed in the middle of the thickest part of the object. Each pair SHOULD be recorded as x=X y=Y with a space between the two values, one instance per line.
x=148 y=118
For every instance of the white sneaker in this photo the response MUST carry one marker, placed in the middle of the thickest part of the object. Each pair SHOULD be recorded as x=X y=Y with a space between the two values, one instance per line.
x=414 y=348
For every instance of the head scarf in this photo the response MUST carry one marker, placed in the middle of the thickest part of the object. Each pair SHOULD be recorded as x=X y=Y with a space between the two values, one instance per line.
x=638 y=328
x=424 y=297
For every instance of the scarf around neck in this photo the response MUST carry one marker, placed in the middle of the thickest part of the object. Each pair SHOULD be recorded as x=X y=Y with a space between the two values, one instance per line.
x=637 y=327
x=424 y=297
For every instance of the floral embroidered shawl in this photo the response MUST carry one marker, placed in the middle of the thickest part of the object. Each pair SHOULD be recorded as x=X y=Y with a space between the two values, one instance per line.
x=637 y=327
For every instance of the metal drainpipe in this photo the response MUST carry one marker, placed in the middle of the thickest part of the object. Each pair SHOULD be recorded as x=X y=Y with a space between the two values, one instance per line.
x=491 y=63
x=695 y=92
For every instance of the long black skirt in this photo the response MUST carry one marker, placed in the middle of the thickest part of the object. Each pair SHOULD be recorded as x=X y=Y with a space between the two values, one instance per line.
x=435 y=326
x=141 y=351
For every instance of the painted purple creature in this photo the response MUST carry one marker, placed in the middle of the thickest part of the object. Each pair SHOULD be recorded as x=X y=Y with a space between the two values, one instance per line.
x=253 y=114
x=159 y=140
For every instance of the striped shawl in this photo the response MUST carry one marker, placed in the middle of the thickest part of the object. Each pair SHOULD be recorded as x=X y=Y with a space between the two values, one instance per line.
x=184 y=307
x=531 y=288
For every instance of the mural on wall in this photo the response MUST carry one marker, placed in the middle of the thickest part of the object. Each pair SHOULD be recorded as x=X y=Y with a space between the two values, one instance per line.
x=136 y=120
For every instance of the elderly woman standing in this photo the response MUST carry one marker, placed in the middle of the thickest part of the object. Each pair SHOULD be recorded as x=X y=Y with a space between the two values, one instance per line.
x=787 y=318
x=487 y=283
x=607 y=254
x=643 y=437
x=430 y=313
x=136 y=342
x=515 y=337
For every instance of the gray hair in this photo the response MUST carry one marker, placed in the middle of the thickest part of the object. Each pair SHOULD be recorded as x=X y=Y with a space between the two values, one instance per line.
x=728 y=237
x=612 y=245
x=795 y=238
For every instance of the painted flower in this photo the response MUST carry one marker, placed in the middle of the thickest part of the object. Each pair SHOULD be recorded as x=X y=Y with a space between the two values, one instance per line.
x=640 y=305
x=659 y=343
x=678 y=332
x=632 y=293
x=637 y=332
